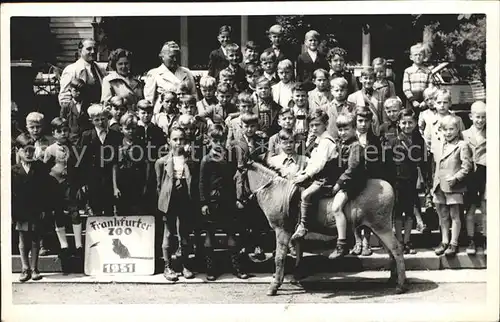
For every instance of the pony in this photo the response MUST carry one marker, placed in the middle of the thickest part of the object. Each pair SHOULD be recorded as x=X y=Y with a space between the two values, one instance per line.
x=279 y=199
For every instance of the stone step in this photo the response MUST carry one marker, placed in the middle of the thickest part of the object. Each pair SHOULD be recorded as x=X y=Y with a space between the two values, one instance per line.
x=313 y=262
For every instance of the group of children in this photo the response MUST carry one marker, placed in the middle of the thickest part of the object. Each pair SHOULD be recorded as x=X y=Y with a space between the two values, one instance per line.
x=308 y=120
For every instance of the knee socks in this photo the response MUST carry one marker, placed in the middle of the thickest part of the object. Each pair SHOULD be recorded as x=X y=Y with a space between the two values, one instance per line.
x=77 y=231
x=61 y=235
x=24 y=248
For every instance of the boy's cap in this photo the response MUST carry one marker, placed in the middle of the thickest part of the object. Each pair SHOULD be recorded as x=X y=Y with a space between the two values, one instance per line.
x=276 y=30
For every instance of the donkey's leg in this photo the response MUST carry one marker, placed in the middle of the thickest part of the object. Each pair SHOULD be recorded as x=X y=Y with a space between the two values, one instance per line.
x=297 y=272
x=282 y=239
x=394 y=249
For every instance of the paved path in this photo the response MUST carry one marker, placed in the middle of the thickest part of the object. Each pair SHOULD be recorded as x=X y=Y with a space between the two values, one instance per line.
x=426 y=286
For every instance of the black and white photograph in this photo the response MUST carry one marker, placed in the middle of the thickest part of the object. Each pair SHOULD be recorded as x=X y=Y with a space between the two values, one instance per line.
x=249 y=153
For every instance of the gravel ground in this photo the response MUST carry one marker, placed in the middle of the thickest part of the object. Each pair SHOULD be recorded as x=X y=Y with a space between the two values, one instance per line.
x=324 y=292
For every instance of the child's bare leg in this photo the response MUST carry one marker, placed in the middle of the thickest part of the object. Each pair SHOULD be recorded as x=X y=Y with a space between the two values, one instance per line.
x=455 y=230
x=24 y=248
x=483 y=214
x=470 y=220
x=339 y=201
x=305 y=208
x=455 y=223
x=444 y=222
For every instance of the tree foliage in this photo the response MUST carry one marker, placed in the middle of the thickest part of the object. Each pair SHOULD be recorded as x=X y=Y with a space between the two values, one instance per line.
x=457 y=38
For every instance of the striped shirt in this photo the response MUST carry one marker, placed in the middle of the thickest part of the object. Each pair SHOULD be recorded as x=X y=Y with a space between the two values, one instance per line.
x=415 y=81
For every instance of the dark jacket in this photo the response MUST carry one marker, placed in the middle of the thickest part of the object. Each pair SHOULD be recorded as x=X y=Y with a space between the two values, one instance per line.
x=165 y=174
x=306 y=68
x=351 y=170
x=388 y=131
x=154 y=136
x=29 y=195
x=375 y=167
x=406 y=154
x=97 y=159
x=216 y=180
x=77 y=121
x=216 y=62
x=285 y=53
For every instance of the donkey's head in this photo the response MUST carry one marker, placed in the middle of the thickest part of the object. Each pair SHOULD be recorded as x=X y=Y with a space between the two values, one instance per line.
x=273 y=192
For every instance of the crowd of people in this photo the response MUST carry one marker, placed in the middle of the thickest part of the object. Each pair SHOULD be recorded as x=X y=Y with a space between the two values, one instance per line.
x=124 y=147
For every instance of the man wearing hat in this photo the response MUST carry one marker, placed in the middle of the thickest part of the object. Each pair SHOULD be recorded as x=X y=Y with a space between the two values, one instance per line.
x=168 y=76
x=275 y=35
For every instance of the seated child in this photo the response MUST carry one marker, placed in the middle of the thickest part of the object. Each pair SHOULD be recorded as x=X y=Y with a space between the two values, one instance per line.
x=208 y=86
x=338 y=104
x=75 y=110
x=319 y=170
x=286 y=120
x=266 y=108
x=336 y=59
x=287 y=162
x=61 y=159
x=352 y=177
x=268 y=62
x=475 y=137
x=29 y=181
x=311 y=60
x=282 y=92
x=382 y=85
x=321 y=95
x=453 y=163
x=98 y=166
x=217 y=200
x=169 y=112
x=367 y=96
x=117 y=110
x=235 y=126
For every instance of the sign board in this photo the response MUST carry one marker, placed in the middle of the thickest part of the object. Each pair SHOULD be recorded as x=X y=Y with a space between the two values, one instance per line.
x=119 y=245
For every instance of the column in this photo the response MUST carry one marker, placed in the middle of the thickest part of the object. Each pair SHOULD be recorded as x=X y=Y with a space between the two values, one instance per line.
x=365 y=46
x=244 y=30
x=184 y=41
